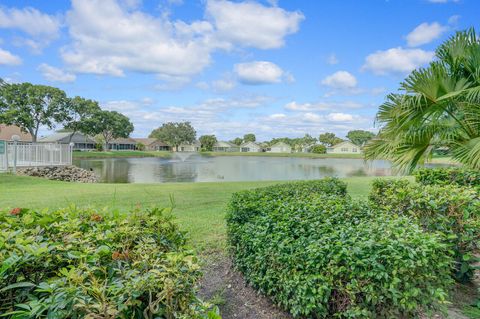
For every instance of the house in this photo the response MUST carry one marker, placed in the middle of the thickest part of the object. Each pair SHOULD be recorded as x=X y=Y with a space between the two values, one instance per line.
x=81 y=142
x=122 y=144
x=345 y=147
x=153 y=144
x=7 y=131
x=225 y=147
x=186 y=147
x=250 y=147
x=279 y=147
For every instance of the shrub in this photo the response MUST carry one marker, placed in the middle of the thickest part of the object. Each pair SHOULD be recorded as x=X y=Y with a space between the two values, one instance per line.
x=450 y=210
x=448 y=176
x=319 y=254
x=86 y=264
x=319 y=149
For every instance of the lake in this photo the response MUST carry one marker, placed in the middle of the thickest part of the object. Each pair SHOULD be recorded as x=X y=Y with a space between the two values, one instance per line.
x=199 y=168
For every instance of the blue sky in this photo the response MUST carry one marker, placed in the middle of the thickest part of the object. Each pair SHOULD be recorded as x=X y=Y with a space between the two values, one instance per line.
x=274 y=68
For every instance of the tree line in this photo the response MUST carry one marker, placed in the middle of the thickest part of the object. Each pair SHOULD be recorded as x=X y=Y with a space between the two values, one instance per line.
x=31 y=107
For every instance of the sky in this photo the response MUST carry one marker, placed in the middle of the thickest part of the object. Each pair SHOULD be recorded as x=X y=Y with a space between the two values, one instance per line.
x=273 y=68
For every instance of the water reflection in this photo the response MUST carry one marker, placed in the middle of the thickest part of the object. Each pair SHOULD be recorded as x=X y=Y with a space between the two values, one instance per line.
x=198 y=168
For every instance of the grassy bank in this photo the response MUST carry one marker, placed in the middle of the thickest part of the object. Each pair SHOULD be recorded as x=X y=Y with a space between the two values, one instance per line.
x=120 y=154
x=200 y=207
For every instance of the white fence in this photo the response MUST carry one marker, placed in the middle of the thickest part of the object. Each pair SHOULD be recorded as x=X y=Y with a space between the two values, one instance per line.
x=35 y=154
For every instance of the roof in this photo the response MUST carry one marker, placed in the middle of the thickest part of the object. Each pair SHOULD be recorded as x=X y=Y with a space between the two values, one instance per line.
x=145 y=141
x=123 y=140
x=224 y=144
x=344 y=143
x=280 y=144
x=7 y=131
x=55 y=137
x=77 y=137
x=249 y=144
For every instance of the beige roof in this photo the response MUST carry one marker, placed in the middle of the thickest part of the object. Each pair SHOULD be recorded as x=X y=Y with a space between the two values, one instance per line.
x=123 y=140
x=144 y=141
x=7 y=131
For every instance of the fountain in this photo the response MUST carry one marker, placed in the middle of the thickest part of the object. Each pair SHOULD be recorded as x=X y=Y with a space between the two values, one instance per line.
x=183 y=156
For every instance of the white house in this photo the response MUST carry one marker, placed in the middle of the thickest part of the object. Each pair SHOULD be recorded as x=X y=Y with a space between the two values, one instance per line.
x=250 y=147
x=193 y=147
x=225 y=147
x=279 y=147
x=345 y=147
x=81 y=141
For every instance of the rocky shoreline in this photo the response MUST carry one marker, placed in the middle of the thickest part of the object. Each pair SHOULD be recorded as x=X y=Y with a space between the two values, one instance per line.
x=60 y=173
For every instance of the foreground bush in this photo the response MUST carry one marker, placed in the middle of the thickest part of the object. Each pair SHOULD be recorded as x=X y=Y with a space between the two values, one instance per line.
x=321 y=255
x=448 y=176
x=452 y=211
x=84 y=264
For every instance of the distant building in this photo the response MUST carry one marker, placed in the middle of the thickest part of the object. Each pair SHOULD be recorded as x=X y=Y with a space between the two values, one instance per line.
x=225 y=147
x=7 y=131
x=279 y=147
x=153 y=144
x=344 y=148
x=250 y=147
x=193 y=147
x=122 y=144
x=81 y=141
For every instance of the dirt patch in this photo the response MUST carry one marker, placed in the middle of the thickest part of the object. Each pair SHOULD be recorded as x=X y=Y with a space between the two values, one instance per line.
x=226 y=287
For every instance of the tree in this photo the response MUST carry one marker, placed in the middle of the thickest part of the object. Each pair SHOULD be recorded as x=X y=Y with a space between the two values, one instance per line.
x=80 y=113
x=249 y=138
x=207 y=142
x=175 y=134
x=438 y=106
x=237 y=141
x=360 y=137
x=319 y=149
x=31 y=106
x=110 y=125
x=329 y=139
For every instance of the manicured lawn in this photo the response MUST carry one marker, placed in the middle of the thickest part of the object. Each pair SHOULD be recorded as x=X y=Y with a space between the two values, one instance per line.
x=116 y=154
x=199 y=207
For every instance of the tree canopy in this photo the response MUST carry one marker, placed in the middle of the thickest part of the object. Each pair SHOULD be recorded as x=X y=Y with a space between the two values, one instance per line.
x=80 y=112
x=207 y=142
x=329 y=139
x=249 y=138
x=360 y=137
x=437 y=106
x=175 y=133
x=30 y=106
x=110 y=125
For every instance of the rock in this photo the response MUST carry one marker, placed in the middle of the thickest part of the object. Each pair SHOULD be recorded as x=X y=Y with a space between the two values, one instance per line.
x=60 y=173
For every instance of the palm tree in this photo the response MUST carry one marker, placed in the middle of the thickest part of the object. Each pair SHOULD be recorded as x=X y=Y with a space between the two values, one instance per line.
x=438 y=106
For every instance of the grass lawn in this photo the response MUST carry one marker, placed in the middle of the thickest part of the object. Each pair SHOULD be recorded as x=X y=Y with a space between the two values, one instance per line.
x=120 y=154
x=199 y=207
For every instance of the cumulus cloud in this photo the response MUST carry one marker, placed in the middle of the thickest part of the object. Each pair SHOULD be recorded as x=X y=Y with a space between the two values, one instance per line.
x=8 y=58
x=340 y=117
x=29 y=20
x=54 y=74
x=396 y=60
x=425 y=33
x=252 y=24
x=340 y=80
x=258 y=72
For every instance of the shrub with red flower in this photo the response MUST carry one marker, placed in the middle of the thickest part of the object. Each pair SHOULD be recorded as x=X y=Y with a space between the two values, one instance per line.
x=16 y=211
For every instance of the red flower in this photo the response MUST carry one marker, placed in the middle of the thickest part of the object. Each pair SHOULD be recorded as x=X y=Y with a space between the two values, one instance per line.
x=16 y=211
x=120 y=256
x=96 y=218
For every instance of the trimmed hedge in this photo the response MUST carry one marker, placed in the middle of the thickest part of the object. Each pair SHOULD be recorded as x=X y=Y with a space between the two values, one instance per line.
x=319 y=254
x=85 y=264
x=448 y=176
x=449 y=210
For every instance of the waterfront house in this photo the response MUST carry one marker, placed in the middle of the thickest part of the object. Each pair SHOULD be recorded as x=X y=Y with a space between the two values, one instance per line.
x=81 y=142
x=7 y=131
x=189 y=147
x=250 y=147
x=345 y=147
x=279 y=147
x=122 y=144
x=225 y=147
x=153 y=144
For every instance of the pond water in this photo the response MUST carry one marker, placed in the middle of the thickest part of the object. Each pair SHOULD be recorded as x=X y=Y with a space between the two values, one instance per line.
x=199 y=168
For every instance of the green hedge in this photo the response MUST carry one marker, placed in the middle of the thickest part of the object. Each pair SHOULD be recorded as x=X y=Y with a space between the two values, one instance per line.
x=319 y=254
x=448 y=176
x=453 y=211
x=85 y=264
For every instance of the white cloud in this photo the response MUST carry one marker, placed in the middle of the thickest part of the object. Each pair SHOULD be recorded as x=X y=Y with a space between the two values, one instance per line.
x=30 y=20
x=8 y=58
x=425 y=33
x=397 y=60
x=222 y=85
x=340 y=117
x=278 y=116
x=54 y=74
x=258 y=72
x=301 y=107
x=332 y=59
x=340 y=80
x=252 y=24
